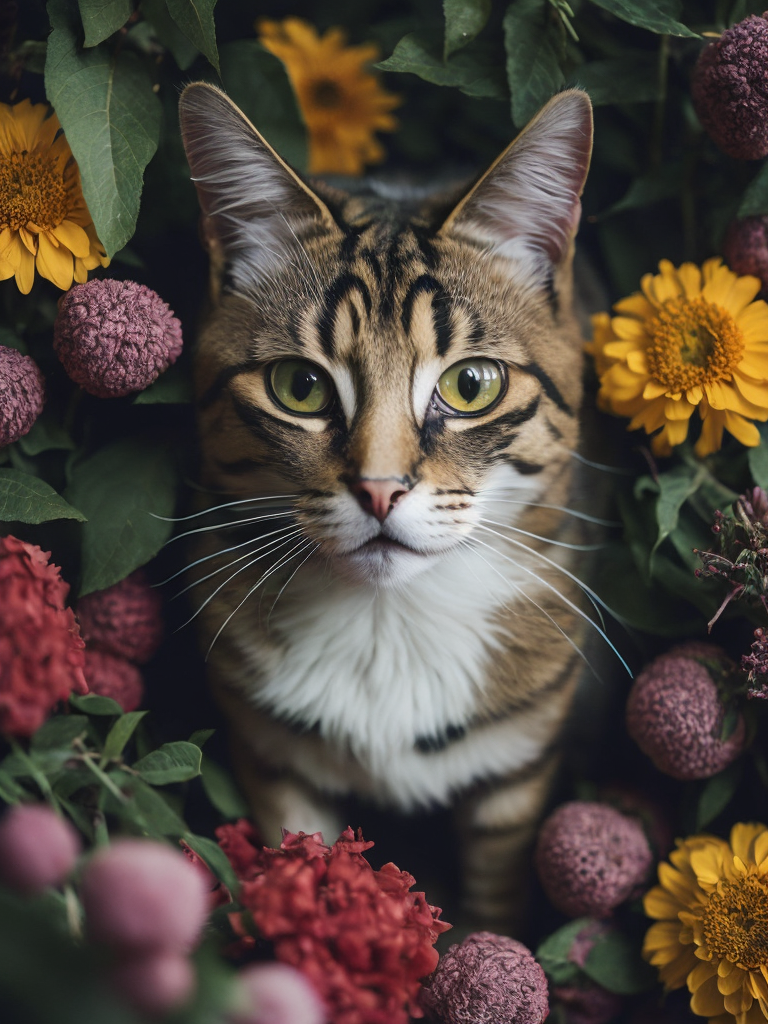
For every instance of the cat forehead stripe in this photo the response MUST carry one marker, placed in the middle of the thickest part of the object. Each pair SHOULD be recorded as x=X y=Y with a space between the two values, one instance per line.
x=335 y=294
x=441 y=310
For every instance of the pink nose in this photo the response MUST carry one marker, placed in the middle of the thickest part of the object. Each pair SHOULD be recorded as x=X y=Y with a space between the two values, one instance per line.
x=378 y=497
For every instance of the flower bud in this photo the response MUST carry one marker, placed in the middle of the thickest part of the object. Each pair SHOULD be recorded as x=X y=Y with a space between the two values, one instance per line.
x=154 y=983
x=276 y=993
x=37 y=848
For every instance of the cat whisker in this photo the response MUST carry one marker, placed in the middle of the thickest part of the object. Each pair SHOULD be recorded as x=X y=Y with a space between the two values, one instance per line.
x=229 y=526
x=547 y=540
x=218 y=554
x=253 y=551
x=216 y=508
x=557 y=508
x=282 y=589
x=284 y=560
x=574 y=607
x=618 y=470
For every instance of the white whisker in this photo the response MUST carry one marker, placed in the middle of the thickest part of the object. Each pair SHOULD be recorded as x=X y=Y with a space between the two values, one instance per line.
x=619 y=470
x=555 y=508
x=547 y=540
x=281 y=590
x=218 y=554
x=270 y=546
x=229 y=526
x=215 y=508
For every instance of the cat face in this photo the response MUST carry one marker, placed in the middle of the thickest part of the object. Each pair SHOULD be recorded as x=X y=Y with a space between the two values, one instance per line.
x=390 y=370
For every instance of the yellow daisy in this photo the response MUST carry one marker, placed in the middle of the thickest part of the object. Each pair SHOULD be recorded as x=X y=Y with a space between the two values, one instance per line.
x=342 y=103
x=711 y=933
x=44 y=222
x=692 y=339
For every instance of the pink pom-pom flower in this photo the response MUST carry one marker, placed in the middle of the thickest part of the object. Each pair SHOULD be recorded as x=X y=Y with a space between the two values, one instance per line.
x=115 y=337
x=154 y=983
x=125 y=619
x=140 y=896
x=487 y=978
x=591 y=858
x=22 y=394
x=730 y=89
x=276 y=993
x=675 y=716
x=37 y=848
x=745 y=247
x=113 y=677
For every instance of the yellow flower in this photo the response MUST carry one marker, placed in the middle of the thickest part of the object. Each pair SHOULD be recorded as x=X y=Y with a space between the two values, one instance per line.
x=712 y=924
x=44 y=222
x=343 y=105
x=692 y=339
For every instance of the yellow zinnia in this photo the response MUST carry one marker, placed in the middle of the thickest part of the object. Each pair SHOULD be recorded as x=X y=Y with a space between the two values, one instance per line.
x=44 y=222
x=692 y=339
x=342 y=103
x=712 y=930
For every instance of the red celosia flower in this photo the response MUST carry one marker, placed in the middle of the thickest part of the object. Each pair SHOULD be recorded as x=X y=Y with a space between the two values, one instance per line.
x=358 y=934
x=41 y=650
x=126 y=619
x=113 y=677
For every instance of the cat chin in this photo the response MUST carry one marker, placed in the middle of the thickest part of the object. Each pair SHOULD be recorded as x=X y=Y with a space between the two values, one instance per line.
x=380 y=565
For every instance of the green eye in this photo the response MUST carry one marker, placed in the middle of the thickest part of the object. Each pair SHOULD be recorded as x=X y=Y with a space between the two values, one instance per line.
x=471 y=386
x=300 y=386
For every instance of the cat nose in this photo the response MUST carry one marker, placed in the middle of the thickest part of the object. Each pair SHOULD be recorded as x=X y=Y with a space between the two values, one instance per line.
x=378 y=497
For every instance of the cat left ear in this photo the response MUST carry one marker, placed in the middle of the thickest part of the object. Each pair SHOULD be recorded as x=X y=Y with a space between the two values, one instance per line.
x=527 y=203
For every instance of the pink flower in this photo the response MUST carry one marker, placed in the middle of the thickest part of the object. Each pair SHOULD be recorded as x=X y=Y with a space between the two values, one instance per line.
x=745 y=247
x=275 y=993
x=41 y=651
x=155 y=982
x=37 y=848
x=126 y=619
x=113 y=677
x=22 y=394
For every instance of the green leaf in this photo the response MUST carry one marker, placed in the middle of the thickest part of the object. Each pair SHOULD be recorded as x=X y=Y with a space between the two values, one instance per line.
x=195 y=19
x=168 y=33
x=463 y=20
x=717 y=793
x=119 y=735
x=754 y=202
x=533 y=58
x=552 y=954
x=627 y=79
x=221 y=790
x=93 y=704
x=59 y=733
x=215 y=858
x=674 y=488
x=651 y=14
x=123 y=488
x=615 y=962
x=147 y=809
x=11 y=339
x=10 y=790
x=757 y=458
x=470 y=71
x=201 y=736
x=173 y=762
x=731 y=719
x=258 y=83
x=27 y=499
x=173 y=387
x=111 y=117
x=103 y=17
x=47 y=434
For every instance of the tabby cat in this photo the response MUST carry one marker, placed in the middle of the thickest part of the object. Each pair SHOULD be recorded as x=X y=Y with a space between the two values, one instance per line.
x=388 y=397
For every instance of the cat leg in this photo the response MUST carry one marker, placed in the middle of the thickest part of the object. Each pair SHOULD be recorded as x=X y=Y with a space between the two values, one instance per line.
x=279 y=800
x=497 y=827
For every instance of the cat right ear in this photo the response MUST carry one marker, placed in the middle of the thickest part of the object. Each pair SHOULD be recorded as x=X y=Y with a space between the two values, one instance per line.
x=253 y=203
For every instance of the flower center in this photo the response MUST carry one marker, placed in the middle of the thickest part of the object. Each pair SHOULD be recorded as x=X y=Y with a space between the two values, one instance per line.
x=693 y=341
x=326 y=94
x=30 y=191
x=736 y=923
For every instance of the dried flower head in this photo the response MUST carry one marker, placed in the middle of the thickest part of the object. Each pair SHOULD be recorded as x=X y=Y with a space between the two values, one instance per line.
x=115 y=337
x=110 y=676
x=41 y=651
x=745 y=247
x=730 y=89
x=44 y=222
x=591 y=858
x=487 y=977
x=22 y=394
x=676 y=716
x=126 y=619
x=360 y=936
x=755 y=664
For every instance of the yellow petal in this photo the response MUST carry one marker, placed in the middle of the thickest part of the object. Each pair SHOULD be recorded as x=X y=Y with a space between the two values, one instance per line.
x=761 y=850
x=73 y=236
x=738 y=1002
x=733 y=982
x=55 y=263
x=742 y=429
x=25 y=272
x=711 y=437
x=743 y=836
x=636 y=305
x=706 y=1000
x=661 y=905
x=708 y=865
x=701 y=972
x=754 y=391
x=690 y=279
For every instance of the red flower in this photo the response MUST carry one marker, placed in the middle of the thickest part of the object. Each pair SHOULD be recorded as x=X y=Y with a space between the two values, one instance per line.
x=41 y=651
x=358 y=934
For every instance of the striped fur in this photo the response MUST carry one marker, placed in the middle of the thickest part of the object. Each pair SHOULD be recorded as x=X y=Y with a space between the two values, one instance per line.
x=429 y=658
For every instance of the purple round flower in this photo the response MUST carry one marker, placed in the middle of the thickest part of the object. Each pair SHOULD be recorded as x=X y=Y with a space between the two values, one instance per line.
x=115 y=337
x=487 y=979
x=37 y=848
x=675 y=716
x=125 y=619
x=745 y=247
x=22 y=394
x=591 y=858
x=730 y=89
x=277 y=993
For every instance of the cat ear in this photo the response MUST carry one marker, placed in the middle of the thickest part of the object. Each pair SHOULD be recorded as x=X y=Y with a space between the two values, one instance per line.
x=527 y=203
x=253 y=203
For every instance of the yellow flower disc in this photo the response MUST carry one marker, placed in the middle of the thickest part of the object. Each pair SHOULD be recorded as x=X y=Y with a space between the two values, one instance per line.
x=735 y=923
x=692 y=342
x=30 y=190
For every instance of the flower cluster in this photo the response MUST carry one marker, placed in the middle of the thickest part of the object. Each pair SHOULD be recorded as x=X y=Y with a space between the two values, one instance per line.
x=755 y=664
x=41 y=650
x=692 y=339
x=22 y=394
x=361 y=937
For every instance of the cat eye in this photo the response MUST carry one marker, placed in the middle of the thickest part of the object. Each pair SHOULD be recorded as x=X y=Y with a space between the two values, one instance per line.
x=471 y=386
x=300 y=386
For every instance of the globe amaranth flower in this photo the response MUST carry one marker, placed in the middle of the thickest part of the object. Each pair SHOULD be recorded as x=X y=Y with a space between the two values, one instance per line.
x=22 y=394
x=44 y=222
x=342 y=103
x=115 y=337
x=693 y=339
x=360 y=936
x=125 y=619
x=275 y=993
x=41 y=650
x=729 y=89
x=38 y=848
x=745 y=247
x=711 y=931
x=590 y=858
x=489 y=978
x=110 y=676
x=675 y=715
